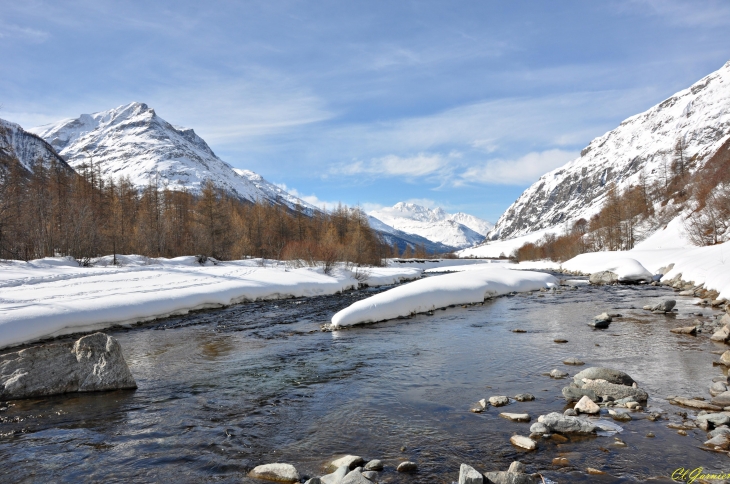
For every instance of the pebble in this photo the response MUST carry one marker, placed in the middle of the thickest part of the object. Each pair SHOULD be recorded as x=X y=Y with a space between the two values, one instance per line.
x=276 y=472
x=573 y=361
x=560 y=340
x=594 y=472
x=374 y=465
x=519 y=331
x=498 y=401
x=561 y=461
x=524 y=397
x=650 y=435
x=407 y=466
x=558 y=374
x=682 y=432
x=523 y=442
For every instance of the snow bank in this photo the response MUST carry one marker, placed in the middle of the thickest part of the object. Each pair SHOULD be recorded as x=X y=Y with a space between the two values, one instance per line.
x=506 y=247
x=440 y=291
x=626 y=268
x=55 y=296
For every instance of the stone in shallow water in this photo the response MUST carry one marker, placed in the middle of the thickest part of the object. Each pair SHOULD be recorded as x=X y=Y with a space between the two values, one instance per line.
x=336 y=477
x=524 y=397
x=563 y=424
x=573 y=361
x=586 y=405
x=558 y=374
x=573 y=394
x=515 y=417
x=498 y=401
x=355 y=477
x=685 y=330
x=523 y=442
x=407 y=466
x=374 y=465
x=370 y=475
x=604 y=389
x=608 y=374
x=92 y=363
x=351 y=461
x=276 y=472
x=469 y=475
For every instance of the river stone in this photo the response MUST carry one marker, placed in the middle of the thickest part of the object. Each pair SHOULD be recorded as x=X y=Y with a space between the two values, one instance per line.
x=558 y=374
x=92 y=363
x=469 y=475
x=605 y=389
x=721 y=400
x=336 y=477
x=598 y=373
x=717 y=388
x=510 y=478
x=725 y=358
x=718 y=431
x=563 y=424
x=407 y=466
x=698 y=404
x=515 y=417
x=722 y=441
x=573 y=394
x=374 y=465
x=539 y=428
x=715 y=419
x=573 y=361
x=351 y=461
x=665 y=306
x=586 y=405
x=603 y=277
x=275 y=472
x=524 y=397
x=355 y=477
x=517 y=467
x=684 y=330
x=498 y=401
x=523 y=442
x=370 y=475
x=723 y=334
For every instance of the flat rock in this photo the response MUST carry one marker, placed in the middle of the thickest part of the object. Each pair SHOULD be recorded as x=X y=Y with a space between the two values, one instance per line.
x=692 y=403
x=355 y=477
x=524 y=397
x=498 y=401
x=469 y=475
x=722 y=335
x=573 y=394
x=370 y=475
x=722 y=400
x=665 y=306
x=335 y=477
x=407 y=466
x=685 y=330
x=564 y=424
x=374 y=465
x=603 y=277
x=351 y=461
x=558 y=374
x=716 y=419
x=275 y=472
x=586 y=405
x=605 y=389
x=608 y=374
x=573 y=361
x=523 y=442
x=504 y=477
x=515 y=417
x=92 y=363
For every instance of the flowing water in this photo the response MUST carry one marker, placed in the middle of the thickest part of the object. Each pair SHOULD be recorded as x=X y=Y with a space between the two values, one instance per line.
x=225 y=390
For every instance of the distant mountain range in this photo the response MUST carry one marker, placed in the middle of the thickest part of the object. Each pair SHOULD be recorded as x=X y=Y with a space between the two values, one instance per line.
x=452 y=231
x=133 y=141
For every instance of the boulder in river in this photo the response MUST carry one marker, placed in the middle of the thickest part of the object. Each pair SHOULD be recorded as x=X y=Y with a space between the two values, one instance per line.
x=586 y=405
x=92 y=363
x=717 y=388
x=558 y=374
x=665 y=306
x=351 y=461
x=608 y=374
x=498 y=401
x=407 y=466
x=685 y=330
x=355 y=477
x=336 y=477
x=606 y=389
x=694 y=403
x=275 y=472
x=603 y=277
x=716 y=419
x=469 y=475
x=524 y=397
x=573 y=394
x=724 y=359
x=722 y=400
x=722 y=335
x=563 y=424
x=374 y=465
x=515 y=417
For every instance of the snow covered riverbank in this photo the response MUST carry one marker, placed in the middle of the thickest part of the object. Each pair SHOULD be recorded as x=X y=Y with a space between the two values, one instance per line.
x=441 y=291
x=55 y=296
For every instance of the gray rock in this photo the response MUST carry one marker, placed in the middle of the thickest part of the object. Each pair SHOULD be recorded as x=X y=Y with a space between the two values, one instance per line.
x=498 y=401
x=407 y=466
x=721 y=400
x=355 y=477
x=539 y=428
x=722 y=441
x=722 y=335
x=598 y=373
x=573 y=394
x=524 y=397
x=92 y=363
x=351 y=461
x=603 y=317
x=725 y=358
x=517 y=467
x=275 y=472
x=562 y=424
x=573 y=361
x=570 y=412
x=558 y=374
x=665 y=306
x=469 y=475
x=586 y=405
x=716 y=419
x=374 y=465
x=616 y=391
x=718 y=431
x=510 y=478
x=371 y=476
x=515 y=417
x=336 y=477
x=603 y=277
x=717 y=388
x=314 y=480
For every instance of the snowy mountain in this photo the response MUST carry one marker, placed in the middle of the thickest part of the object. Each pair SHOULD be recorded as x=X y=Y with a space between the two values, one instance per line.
x=18 y=145
x=132 y=141
x=695 y=121
x=457 y=231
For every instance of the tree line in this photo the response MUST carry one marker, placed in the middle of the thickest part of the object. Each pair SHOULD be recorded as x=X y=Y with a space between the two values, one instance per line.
x=51 y=210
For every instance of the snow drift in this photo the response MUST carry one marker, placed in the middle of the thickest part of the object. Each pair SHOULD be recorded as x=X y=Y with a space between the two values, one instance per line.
x=626 y=268
x=440 y=291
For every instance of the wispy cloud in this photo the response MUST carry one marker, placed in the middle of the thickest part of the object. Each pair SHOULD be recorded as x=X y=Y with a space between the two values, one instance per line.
x=525 y=169
x=420 y=165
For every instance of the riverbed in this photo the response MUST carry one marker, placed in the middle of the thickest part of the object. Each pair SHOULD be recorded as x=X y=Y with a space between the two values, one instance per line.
x=222 y=391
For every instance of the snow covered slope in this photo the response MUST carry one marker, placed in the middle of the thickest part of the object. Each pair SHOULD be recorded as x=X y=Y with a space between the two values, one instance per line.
x=132 y=141
x=459 y=230
x=697 y=117
x=16 y=144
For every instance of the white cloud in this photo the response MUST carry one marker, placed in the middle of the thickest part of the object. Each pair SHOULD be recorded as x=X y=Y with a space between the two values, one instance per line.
x=311 y=199
x=422 y=164
x=523 y=170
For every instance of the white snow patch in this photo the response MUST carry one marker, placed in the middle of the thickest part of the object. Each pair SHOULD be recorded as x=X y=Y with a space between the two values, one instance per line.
x=626 y=268
x=440 y=291
x=54 y=296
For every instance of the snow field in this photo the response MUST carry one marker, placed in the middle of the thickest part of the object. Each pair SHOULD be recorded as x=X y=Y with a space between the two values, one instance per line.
x=439 y=292
x=54 y=296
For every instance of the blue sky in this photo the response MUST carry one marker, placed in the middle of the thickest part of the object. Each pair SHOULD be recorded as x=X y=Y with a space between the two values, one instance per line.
x=456 y=104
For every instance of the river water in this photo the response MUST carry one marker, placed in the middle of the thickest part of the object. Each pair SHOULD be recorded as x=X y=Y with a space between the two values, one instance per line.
x=225 y=390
